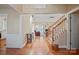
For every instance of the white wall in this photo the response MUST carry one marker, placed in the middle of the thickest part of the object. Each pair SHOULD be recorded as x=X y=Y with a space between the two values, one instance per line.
x=18 y=25
x=26 y=23
x=12 y=22
x=13 y=38
x=25 y=27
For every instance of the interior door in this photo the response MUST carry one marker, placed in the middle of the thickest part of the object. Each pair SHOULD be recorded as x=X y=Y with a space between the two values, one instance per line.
x=74 y=31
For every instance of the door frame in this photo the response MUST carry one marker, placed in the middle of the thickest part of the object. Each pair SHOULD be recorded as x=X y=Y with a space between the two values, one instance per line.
x=69 y=27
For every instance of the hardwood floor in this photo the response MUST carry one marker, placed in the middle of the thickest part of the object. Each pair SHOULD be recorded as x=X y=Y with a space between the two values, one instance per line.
x=38 y=47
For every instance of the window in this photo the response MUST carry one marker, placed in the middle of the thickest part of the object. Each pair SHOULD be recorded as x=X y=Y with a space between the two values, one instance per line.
x=2 y=22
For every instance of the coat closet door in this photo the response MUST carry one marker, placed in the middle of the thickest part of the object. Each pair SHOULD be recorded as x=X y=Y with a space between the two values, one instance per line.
x=74 y=31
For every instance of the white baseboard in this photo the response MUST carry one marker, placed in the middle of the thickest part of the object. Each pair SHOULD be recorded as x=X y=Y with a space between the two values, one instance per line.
x=62 y=46
x=12 y=46
x=24 y=44
x=72 y=48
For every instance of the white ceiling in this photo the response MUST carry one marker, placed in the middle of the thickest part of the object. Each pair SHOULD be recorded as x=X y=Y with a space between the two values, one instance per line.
x=40 y=12
x=40 y=8
x=44 y=8
x=35 y=6
x=4 y=6
x=46 y=17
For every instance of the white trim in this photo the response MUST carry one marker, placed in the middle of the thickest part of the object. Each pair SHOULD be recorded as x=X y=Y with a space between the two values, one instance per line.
x=6 y=24
x=20 y=31
x=20 y=24
x=4 y=31
x=73 y=48
x=62 y=46
x=3 y=14
x=68 y=30
x=20 y=27
x=24 y=44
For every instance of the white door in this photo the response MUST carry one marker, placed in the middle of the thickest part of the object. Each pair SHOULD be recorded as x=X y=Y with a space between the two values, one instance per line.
x=74 y=31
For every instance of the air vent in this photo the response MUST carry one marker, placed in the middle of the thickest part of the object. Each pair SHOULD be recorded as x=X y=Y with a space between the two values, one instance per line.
x=51 y=17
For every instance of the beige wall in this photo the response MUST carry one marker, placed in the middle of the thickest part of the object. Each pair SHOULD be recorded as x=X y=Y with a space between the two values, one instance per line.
x=17 y=7
x=69 y=7
x=50 y=8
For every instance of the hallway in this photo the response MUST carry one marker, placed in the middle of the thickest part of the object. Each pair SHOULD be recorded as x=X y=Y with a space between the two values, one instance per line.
x=38 y=47
x=51 y=21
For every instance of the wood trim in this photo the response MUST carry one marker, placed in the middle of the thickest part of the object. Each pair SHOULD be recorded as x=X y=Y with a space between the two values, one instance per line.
x=2 y=42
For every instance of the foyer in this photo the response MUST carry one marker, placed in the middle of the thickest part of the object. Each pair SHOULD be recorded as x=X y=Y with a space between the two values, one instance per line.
x=39 y=46
x=39 y=29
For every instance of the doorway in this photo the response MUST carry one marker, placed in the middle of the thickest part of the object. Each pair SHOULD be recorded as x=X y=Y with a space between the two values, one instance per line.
x=39 y=30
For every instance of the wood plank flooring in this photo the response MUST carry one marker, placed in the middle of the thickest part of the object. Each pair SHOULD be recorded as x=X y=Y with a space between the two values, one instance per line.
x=39 y=46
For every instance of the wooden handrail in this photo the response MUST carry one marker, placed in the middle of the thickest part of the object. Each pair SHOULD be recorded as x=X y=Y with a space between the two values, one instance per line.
x=59 y=22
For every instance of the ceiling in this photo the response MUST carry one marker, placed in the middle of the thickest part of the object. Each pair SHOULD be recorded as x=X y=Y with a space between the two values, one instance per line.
x=35 y=5
x=40 y=8
x=46 y=17
x=41 y=12
x=44 y=8
x=4 y=6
